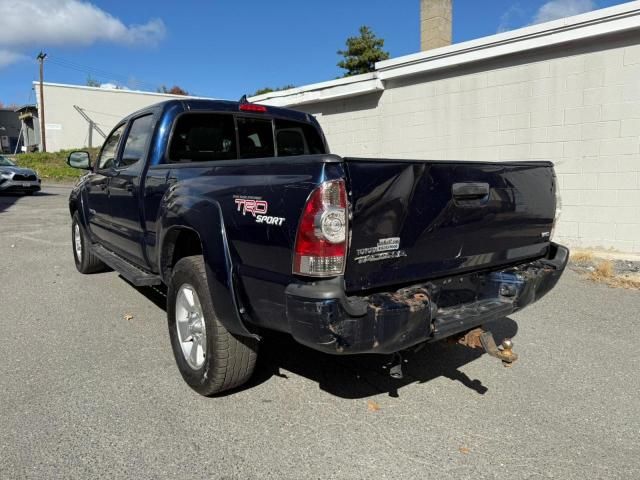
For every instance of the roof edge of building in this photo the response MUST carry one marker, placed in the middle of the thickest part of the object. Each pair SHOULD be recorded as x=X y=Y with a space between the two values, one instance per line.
x=117 y=90
x=596 y=23
x=324 y=91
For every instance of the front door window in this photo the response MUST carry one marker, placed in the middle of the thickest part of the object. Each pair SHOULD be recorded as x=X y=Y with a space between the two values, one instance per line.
x=109 y=151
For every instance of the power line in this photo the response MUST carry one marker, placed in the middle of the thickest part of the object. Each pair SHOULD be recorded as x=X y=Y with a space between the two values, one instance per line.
x=106 y=75
x=102 y=74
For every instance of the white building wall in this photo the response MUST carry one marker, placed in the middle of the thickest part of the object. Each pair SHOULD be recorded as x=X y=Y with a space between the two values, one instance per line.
x=577 y=107
x=66 y=128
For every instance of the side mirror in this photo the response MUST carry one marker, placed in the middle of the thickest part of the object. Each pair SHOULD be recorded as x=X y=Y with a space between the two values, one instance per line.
x=80 y=160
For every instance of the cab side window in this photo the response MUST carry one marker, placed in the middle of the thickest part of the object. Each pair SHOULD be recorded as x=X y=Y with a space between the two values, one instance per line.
x=109 y=151
x=135 y=146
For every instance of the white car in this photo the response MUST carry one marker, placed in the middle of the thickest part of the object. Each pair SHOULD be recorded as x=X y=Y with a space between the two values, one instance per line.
x=17 y=179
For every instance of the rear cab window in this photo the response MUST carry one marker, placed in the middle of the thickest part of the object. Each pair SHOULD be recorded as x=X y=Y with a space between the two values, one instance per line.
x=255 y=137
x=199 y=137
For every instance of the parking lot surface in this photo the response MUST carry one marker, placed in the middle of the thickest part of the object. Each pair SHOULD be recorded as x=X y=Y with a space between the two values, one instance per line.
x=89 y=388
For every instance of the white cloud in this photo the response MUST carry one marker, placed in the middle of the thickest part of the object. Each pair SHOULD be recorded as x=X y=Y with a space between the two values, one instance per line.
x=113 y=86
x=8 y=57
x=38 y=23
x=555 y=9
x=513 y=14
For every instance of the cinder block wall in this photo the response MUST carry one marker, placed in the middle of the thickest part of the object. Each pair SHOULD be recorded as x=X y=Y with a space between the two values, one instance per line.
x=578 y=107
x=67 y=129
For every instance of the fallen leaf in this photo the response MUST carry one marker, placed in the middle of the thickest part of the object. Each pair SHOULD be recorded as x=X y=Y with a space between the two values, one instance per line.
x=372 y=406
x=128 y=316
x=464 y=450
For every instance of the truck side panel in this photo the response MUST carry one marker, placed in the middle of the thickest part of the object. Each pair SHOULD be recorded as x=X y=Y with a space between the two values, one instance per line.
x=259 y=213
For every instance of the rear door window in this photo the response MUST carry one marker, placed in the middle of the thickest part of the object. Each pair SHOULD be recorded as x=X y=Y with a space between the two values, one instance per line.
x=295 y=138
x=200 y=137
x=255 y=136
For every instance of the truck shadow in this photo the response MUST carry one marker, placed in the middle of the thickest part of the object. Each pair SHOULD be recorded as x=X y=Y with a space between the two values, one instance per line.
x=7 y=200
x=360 y=376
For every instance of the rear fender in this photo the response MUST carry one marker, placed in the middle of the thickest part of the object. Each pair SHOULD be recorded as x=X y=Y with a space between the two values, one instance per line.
x=205 y=218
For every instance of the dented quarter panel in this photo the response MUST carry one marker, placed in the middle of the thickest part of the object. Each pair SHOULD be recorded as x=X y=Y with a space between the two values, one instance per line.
x=261 y=252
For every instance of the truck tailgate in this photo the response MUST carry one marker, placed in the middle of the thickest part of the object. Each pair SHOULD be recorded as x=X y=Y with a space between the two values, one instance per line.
x=416 y=220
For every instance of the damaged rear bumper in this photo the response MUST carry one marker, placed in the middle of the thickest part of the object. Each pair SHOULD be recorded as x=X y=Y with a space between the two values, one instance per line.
x=321 y=316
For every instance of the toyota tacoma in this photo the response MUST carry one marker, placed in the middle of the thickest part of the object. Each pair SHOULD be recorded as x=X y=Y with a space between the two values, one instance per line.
x=242 y=213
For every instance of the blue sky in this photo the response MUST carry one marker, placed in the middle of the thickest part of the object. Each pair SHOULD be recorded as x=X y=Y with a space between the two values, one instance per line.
x=220 y=48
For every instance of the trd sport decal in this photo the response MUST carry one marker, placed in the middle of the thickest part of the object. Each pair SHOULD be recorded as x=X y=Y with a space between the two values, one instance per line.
x=258 y=208
x=252 y=206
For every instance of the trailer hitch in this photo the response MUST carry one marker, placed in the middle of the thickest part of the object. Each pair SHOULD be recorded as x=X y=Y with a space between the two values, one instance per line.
x=395 y=366
x=480 y=338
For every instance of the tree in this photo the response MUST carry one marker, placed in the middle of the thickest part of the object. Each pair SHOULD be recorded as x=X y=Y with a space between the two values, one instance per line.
x=175 y=90
x=362 y=53
x=262 y=91
x=92 y=82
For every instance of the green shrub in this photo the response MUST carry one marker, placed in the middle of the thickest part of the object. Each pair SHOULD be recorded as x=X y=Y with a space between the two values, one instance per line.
x=53 y=165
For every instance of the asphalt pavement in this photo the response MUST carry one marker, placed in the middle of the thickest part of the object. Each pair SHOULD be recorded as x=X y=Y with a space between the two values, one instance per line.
x=89 y=388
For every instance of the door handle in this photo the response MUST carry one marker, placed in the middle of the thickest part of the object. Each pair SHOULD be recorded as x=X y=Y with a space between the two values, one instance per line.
x=129 y=187
x=103 y=186
x=470 y=194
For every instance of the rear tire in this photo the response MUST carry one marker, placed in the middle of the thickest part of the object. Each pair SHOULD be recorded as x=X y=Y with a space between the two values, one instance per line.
x=86 y=261
x=221 y=361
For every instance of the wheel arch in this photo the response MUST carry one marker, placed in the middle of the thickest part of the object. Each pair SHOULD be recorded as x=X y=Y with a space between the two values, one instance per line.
x=200 y=230
x=179 y=242
x=76 y=204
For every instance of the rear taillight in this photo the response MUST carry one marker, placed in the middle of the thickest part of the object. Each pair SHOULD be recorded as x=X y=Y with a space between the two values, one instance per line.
x=321 y=241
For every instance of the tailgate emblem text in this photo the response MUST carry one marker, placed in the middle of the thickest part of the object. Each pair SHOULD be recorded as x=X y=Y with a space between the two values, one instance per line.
x=386 y=249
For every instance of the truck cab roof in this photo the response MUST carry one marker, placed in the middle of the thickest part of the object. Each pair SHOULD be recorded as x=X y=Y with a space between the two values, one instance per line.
x=198 y=104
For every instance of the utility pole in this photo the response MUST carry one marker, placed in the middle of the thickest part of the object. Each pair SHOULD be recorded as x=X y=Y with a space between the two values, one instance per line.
x=43 y=137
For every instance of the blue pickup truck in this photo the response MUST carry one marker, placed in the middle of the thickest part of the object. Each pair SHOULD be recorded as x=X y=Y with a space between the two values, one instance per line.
x=249 y=221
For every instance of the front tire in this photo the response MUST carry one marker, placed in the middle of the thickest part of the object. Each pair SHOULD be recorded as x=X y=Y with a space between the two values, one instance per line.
x=86 y=261
x=210 y=358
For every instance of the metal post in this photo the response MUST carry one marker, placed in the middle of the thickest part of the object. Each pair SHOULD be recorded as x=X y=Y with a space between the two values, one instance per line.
x=43 y=137
x=21 y=134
